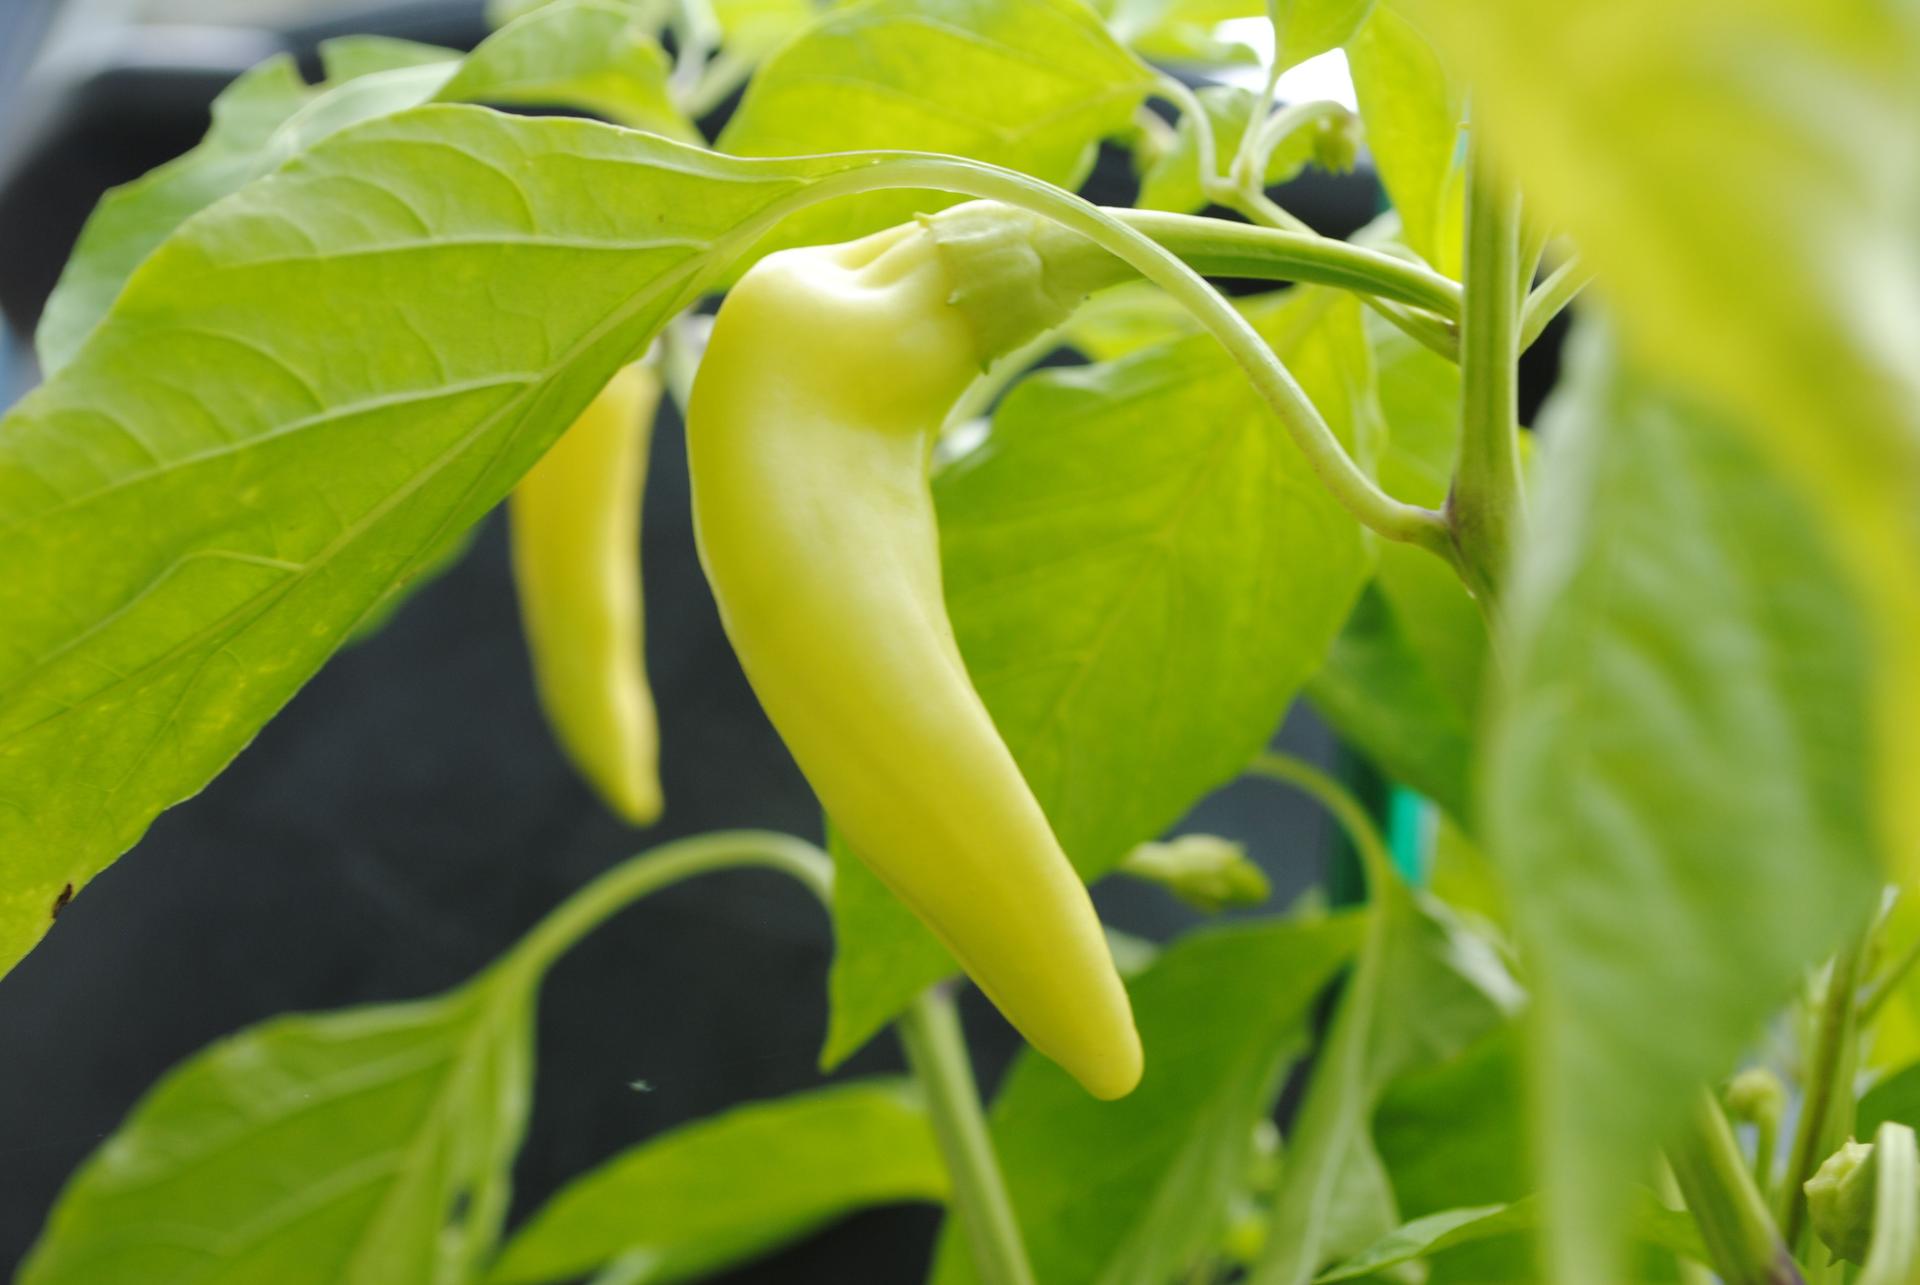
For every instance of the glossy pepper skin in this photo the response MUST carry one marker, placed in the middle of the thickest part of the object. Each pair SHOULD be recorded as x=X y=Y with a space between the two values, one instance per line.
x=575 y=521
x=809 y=434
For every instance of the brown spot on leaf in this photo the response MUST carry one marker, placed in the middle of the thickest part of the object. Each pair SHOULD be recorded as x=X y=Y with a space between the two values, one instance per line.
x=60 y=902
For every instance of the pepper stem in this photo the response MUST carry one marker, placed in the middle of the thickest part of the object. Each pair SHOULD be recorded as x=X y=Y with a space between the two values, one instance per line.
x=937 y=1051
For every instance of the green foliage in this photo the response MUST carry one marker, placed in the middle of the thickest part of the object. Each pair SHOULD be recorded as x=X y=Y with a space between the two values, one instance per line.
x=1137 y=1190
x=1134 y=546
x=1173 y=181
x=704 y=1196
x=1029 y=84
x=1413 y=113
x=344 y=299
x=366 y=1146
x=1677 y=785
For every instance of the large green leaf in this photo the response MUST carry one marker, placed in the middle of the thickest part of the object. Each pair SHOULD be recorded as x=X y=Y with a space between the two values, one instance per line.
x=1135 y=1192
x=1741 y=174
x=712 y=1193
x=295 y=403
x=586 y=54
x=364 y=1147
x=1141 y=571
x=1413 y=115
x=1678 y=785
x=1303 y=29
x=1029 y=84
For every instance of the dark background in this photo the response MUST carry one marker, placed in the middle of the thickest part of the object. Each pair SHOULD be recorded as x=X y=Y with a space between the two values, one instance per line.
x=407 y=816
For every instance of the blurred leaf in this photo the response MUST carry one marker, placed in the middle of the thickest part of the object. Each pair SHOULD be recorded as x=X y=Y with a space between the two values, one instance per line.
x=1173 y=182
x=381 y=338
x=1413 y=114
x=1895 y=1098
x=710 y=1194
x=1304 y=29
x=1141 y=571
x=1423 y=990
x=1656 y=1228
x=1134 y=1192
x=1744 y=185
x=752 y=27
x=1029 y=84
x=1454 y=1131
x=581 y=53
x=345 y=58
x=1677 y=785
x=371 y=1145
x=1117 y=322
x=1377 y=693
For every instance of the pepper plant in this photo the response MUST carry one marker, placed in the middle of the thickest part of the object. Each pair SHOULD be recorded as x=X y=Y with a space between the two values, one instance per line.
x=1655 y=674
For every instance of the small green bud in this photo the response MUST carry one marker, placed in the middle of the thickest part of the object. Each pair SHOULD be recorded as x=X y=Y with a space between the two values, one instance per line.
x=1336 y=142
x=1840 y=1201
x=1755 y=1096
x=1203 y=870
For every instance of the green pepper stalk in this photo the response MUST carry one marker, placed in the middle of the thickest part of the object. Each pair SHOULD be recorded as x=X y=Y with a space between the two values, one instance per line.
x=575 y=522
x=811 y=426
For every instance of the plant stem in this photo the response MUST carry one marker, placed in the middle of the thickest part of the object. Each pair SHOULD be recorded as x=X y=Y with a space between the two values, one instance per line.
x=1887 y=984
x=1485 y=509
x=1893 y=1257
x=1741 y=1240
x=1824 y=1089
x=1217 y=248
x=658 y=868
x=1337 y=800
x=937 y=1051
x=1550 y=298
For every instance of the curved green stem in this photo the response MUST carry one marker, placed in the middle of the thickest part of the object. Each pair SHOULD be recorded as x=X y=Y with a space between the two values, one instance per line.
x=1216 y=248
x=1337 y=800
x=1550 y=298
x=658 y=868
x=1485 y=509
x=937 y=1051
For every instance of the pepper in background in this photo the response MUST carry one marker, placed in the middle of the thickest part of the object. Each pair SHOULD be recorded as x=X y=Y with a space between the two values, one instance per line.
x=810 y=429
x=575 y=522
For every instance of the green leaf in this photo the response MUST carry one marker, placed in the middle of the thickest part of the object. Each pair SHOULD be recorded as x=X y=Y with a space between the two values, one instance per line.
x=1029 y=84
x=1376 y=691
x=750 y=28
x=1895 y=1098
x=131 y=220
x=1424 y=990
x=1730 y=183
x=1656 y=1227
x=713 y=1193
x=1413 y=114
x=1304 y=29
x=1173 y=182
x=1136 y=1191
x=1678 y=781
x=382 y=337
x=593 y=55
x=588 y=54
x=345 y=58
x=366 y=1146
x=1454 y=1131
x=1141 y=571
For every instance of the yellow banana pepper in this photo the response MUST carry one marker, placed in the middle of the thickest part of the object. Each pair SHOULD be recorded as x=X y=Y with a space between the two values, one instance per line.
x=575 y=522
x=812 y=421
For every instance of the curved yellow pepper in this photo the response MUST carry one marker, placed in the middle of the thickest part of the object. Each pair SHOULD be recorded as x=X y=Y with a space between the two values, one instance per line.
x=809 y=434
x=575 y=521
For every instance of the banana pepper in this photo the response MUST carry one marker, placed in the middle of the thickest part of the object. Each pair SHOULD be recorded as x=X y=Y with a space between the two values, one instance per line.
x=575 y=520
x=810 y=430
